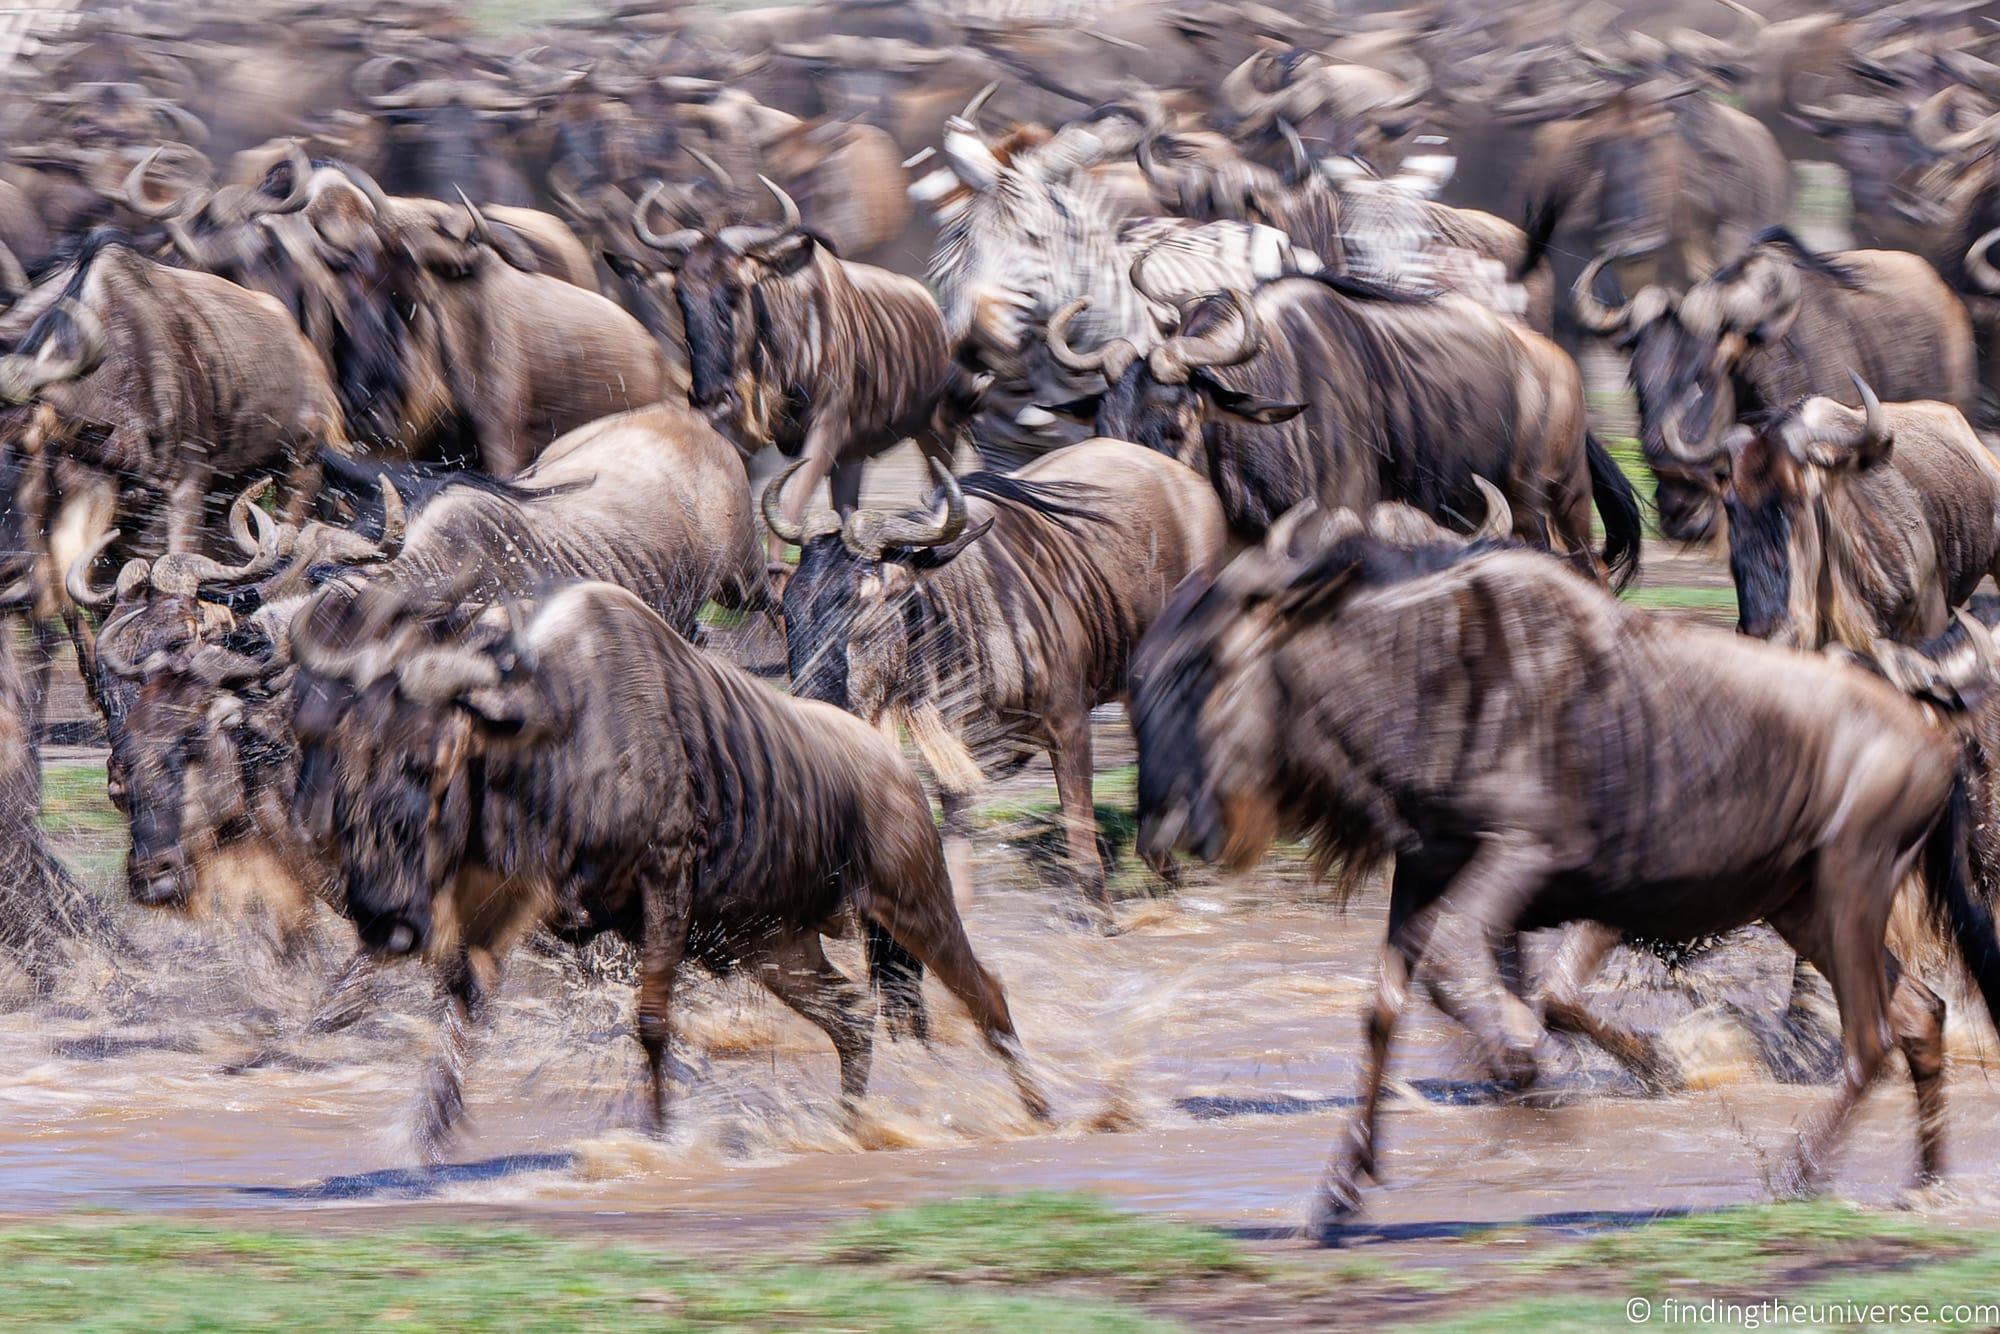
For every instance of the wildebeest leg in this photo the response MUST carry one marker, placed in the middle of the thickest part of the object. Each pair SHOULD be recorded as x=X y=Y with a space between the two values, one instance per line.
x=1577 y=960
x=957 y=843
x=1855 y=970
x=668 y=902
x=797 y=972
x=928 y=927
x=1070 y=756
x=1412 y=914
x=46 y=637
x=1916 y=1013
x=184 y=503
x=303 y=481
x=1484 y=902
x=464 y=996
x=340 y=1007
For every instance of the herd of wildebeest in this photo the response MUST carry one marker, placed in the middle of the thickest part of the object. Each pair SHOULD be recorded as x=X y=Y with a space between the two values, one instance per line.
x=382 y=474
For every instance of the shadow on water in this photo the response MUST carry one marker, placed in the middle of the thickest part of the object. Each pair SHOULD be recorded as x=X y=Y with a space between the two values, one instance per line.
x=1574 y=1224
x=415 y=1183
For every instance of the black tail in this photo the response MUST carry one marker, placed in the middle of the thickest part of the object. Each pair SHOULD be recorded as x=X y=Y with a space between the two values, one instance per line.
x=1617 y=509
x=1948 y=877
x=899 y=976
x=1540 y=226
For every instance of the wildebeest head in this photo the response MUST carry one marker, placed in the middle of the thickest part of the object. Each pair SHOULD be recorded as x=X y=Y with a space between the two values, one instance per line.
x=1782 y=478
x=718 y=277
x=1687 y=357
x=1209 y=714
x=395 y=718
x=184 y=687
x=1165 y=398
x=852 y=613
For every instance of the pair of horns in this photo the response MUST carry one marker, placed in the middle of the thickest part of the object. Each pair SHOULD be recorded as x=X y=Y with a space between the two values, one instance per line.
x=869 y=533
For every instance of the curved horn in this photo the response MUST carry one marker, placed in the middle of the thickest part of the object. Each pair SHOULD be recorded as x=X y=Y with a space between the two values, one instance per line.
x=180 y=123
x=1591 y=313
x=77 y=579
x=1302 y=163
x=240 y=532
x=1240 y=95
x=1927 y=127
x=23 y=376
x=676 y=243
x=1980 y=269
x=1498 y=525
x=774 y=506
x=1099 y=362
x=711 y=166
x=790 y=210
x=257 y=202
x=1683 y=453
x=132 y=191
x=901 y=531
x=978 y=103
x=441 y=675
x=479 y=230
x=1173 y=361
x=368 y=186
x=1831 y=444
x=371 y=82
x=183 y=574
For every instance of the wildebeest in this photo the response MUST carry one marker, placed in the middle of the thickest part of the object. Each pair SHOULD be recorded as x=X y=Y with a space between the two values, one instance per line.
x=790 y=345
x=593 y=768
x=1533 y=752
x=1670 y=181
x=192 y=667
x=441 y=347
x=1775 y=324
x=1025 y=234
x=1330 y=390
x=990 y=633
x=149 y=395
x=1847 y=526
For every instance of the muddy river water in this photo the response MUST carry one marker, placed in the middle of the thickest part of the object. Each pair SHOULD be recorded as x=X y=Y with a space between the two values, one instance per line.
x=1200 y=1062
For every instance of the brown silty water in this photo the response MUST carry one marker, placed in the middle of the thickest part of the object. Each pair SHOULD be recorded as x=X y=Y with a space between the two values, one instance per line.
x=1201 y=1062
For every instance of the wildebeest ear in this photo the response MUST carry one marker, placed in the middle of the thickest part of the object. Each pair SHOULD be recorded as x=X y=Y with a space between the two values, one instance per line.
x=1077 y=409
x=930 y=558
x=625 y=266
x=1235 y=402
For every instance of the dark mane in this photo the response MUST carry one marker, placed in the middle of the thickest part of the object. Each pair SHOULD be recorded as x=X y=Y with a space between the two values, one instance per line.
x=1802 y=255
x=1360 y=289
x=1368 y=562
x=359 y=482
x=80 y=251
x=1067 y=503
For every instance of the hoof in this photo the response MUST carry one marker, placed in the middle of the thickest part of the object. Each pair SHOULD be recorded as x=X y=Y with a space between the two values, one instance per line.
x=1514 y=1065
x=1338 y=1203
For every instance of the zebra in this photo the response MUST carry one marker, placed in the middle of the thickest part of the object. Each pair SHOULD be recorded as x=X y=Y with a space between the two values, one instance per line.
x=1025 y=227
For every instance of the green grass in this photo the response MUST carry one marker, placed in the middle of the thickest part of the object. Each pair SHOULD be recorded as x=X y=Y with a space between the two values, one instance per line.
x=1684 y=597
x=74 y=800
x=1816 y=1253
x=125 y=1275
x=1028 y=1238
